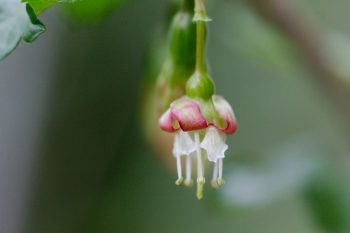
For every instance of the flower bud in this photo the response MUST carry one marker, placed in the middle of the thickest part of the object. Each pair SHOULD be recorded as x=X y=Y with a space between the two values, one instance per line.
x=176 y=68
x=182 y=38
x=180 y=62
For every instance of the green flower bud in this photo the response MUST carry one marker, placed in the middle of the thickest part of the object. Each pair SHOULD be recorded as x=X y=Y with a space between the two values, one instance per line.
x=182 y=39
x=180 y=63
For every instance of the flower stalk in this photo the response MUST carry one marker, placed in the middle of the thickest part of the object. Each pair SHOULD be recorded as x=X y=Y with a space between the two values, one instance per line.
x=201 y=65
x=200 y=119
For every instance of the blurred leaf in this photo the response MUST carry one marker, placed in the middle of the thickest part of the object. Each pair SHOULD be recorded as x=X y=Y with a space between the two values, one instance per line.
x=92 y=10
x=284 y=172
x=328 y=199
x=18 y=22
x=40 y=5
x=256 y=39
x=337 y=51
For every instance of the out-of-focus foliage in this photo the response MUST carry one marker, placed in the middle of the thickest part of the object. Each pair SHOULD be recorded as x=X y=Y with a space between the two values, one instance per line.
x=17 y=22
x=273 y=62
x=337 y=49
x=90 y=11
x=283 y=172
x=328 y=197
x=256 y=39
x=19 y=19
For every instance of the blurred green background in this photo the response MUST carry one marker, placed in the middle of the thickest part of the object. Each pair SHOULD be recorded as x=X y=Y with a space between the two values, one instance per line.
x=76 y=160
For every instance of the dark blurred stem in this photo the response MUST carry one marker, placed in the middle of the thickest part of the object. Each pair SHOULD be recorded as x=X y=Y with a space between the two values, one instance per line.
x=289 y=21
x=188 y=5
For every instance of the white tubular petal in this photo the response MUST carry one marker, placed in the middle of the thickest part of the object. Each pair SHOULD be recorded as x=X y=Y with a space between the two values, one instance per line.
x=199 y=156
x=188 y=167
x=214 y=144
x=183 y=144
x=179 y=169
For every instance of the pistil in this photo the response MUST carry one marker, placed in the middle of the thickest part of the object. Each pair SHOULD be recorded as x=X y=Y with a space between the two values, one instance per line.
x=200 y=168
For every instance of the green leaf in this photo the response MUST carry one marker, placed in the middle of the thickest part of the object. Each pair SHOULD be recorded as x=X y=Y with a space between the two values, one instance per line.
x=18 y=22
x=92 y=10
x=40 y=5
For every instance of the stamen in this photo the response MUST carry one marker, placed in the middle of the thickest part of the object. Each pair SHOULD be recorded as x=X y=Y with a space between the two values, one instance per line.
x=200 y=175
x=188 y=180
x=220 y=181
x=214 y=183
x=199 y=156
x=179 y=170
x=220 y=168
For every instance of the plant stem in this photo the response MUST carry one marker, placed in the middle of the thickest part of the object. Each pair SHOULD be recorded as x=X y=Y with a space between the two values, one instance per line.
x=201 y=65
x=200 y=16
x=199 y=7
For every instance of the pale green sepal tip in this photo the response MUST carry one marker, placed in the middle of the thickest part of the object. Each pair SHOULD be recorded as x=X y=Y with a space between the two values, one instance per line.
x=188 y=182
x=217 y=183
x=220 y=182
x=201 y=180
x=179 y=181
x=214 y=184
x=201 y=16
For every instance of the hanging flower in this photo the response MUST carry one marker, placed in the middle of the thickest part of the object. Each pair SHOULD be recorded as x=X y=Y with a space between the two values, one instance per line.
x=196 y=133
x=200 y=119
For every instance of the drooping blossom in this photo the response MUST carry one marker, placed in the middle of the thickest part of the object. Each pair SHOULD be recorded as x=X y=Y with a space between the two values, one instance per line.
x=201 y=129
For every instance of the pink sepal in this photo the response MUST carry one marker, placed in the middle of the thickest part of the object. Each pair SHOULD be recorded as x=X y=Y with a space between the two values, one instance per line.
x=226 y=112
x=186 y=113
x=166 y=122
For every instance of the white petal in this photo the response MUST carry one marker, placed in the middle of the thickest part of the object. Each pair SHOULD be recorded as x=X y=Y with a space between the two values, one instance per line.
x=214 y=144
x=183 y=144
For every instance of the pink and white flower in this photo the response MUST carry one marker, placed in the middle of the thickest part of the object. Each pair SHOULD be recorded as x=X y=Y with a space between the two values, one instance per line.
x=200 y=127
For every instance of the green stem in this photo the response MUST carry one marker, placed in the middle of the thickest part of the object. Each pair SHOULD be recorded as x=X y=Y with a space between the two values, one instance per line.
x=201 y=65
x=200 y=85
x=199 y=7
x=200 y=19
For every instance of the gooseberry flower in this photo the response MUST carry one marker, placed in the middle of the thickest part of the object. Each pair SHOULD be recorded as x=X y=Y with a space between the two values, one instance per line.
x=200 y=119
x=200 y=126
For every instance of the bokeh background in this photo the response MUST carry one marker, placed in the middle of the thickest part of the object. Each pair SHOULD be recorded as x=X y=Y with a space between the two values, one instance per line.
x=75 y=158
